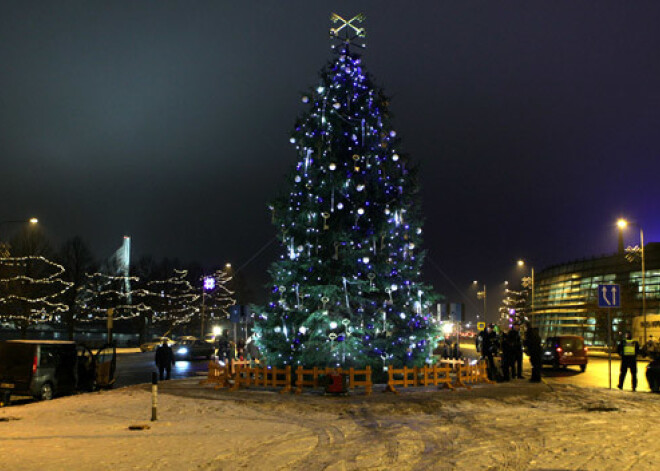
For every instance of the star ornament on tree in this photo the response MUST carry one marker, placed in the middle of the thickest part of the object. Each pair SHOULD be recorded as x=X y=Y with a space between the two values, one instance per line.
x=351 y=32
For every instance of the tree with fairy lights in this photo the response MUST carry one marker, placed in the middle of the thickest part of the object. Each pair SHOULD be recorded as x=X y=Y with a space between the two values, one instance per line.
x=347 y=290
x=31 y=290
x=172 y=301
x=32 y=286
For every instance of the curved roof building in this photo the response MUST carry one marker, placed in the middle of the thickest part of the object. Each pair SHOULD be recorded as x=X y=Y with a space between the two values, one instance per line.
x=565 y=297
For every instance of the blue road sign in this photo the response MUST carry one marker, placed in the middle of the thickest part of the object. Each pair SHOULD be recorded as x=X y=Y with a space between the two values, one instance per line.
x=609 y=295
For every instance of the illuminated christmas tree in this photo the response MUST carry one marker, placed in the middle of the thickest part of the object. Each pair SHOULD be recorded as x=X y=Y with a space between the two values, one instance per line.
x=347 y=290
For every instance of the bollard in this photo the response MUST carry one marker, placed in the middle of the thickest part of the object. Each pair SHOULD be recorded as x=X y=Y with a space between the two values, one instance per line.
x=154 y=396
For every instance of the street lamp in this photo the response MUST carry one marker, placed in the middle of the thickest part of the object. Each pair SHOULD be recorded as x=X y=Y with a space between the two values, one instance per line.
x=622 y=224
x=4 y=248
x=528 y=282
x=481 y=295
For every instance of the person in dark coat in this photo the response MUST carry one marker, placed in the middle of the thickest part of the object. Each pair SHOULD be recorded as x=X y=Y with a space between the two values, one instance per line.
x=516 y=351
x=535 y=352
x=506 y=357
x=164 y=360
x=628 y=350
x=489 y=347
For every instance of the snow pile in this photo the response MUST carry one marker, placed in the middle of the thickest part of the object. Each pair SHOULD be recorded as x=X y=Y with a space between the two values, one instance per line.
x=514 y=426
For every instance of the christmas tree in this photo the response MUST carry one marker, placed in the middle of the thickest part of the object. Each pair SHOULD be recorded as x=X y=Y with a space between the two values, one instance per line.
x=346 y=290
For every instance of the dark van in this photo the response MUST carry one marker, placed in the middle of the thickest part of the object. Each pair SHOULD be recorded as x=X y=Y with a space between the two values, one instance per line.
x=45 y=368
x=37 y=368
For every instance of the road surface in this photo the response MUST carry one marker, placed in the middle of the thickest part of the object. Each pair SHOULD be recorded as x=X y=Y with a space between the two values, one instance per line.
x=136 y=368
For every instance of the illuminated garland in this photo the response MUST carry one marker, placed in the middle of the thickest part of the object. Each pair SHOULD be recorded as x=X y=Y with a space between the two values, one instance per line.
x=347 y=288
x=42 y=307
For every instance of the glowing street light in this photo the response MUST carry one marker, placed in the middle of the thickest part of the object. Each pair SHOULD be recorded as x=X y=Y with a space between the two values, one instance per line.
x=481 y=295
x=528 y=282
x=632 y=251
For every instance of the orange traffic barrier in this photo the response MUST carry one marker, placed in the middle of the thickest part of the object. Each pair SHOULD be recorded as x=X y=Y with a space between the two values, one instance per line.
x=418 y=376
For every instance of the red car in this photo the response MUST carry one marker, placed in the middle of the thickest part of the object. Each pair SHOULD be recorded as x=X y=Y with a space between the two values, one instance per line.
x=565 y=350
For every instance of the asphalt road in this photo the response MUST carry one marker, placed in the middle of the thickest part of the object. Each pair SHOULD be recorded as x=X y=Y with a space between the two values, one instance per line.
x=136 y=368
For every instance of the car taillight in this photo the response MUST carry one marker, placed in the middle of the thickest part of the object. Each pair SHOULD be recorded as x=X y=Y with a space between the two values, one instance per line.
x=35 y=360
x=586 y=349
x=559 y=350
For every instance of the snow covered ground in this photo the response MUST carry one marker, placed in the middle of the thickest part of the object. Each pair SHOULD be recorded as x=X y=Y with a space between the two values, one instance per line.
x=517 y=426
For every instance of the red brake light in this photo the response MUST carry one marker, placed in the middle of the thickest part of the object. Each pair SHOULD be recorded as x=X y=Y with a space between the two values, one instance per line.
x=559 y=350
x=35 y=360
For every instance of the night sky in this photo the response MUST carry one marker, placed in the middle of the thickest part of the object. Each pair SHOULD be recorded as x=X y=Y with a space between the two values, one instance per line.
x=535 y=124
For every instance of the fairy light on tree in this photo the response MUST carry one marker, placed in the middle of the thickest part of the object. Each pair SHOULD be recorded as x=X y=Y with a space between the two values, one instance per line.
x=172 y=301
x=347 y=287
x=31 y=290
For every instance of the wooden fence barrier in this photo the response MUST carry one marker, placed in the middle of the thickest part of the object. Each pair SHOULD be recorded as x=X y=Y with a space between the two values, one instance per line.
x=418 y=376
x=353 y=382
x=262 y=376
x=308 y=377
x=218 y=375
x=356 y=378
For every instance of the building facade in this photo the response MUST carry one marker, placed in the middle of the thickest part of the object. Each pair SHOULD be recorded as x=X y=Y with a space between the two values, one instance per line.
x=565 y=297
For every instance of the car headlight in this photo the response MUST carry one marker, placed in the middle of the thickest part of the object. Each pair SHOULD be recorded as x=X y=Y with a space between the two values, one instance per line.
x=182 y=350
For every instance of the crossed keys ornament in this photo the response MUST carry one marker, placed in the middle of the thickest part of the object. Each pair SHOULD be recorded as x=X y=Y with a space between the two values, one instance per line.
x=351 y=32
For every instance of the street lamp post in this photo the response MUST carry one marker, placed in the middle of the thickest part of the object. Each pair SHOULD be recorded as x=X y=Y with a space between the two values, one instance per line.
x=3 y=246
x=482 y=295
x=530 y=282
x=622 y=224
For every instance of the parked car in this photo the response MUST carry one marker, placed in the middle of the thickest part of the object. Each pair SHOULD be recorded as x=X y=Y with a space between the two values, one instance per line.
x=565 y=350
x=653 y=374
x=188 y=349
x=45 y=368
x=151 y=346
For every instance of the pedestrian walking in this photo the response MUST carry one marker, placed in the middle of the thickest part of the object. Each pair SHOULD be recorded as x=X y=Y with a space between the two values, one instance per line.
x=535 y=352
x=516 y=346
x=628 y=350
x=164 y=360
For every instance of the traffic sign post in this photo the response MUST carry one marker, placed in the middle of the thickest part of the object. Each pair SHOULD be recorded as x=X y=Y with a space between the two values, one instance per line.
x=609 y=296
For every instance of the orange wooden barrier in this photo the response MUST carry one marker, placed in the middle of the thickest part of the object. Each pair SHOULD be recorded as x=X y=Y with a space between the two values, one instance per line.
x=418 y=376
x=356 y=378
x=218 y=375
x=307 y=378
x=468 y=375
x=354 y=382
x=262 y=376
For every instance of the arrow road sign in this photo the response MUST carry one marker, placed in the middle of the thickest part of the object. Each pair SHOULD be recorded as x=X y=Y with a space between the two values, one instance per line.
x=609 y=295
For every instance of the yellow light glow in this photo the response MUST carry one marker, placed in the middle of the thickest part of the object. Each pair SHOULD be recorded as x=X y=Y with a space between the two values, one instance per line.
x=447 y=328
x=622 y=223
x=34 y=220
x=217 y=330
x=521 y=263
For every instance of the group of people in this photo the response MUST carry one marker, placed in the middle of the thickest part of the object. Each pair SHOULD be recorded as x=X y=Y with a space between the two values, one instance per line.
x=508 y=348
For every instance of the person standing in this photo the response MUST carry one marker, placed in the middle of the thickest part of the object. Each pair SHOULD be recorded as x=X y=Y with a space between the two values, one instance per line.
x=628 y=350
x=489 y=347
x=535 y=352
x=164 y=360
x=516 y=349
x=506 y=358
